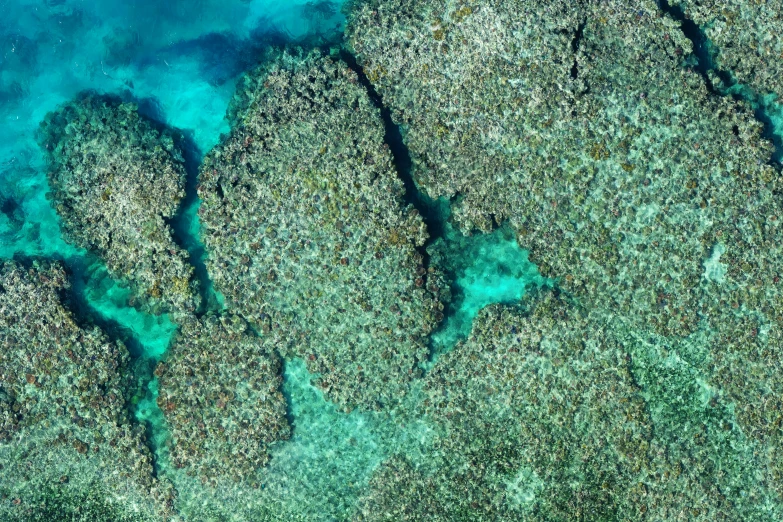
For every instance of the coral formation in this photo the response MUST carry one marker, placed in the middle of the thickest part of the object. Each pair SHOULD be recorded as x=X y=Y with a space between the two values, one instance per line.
x=644 y=383
x=308 y=236
x=220 y=393
x=64 y=429
x=550 y=414
x=649 y=197
x=318 y=473
x=115 y=179
x=621 y=179
x=481 y=91
x=746 y=39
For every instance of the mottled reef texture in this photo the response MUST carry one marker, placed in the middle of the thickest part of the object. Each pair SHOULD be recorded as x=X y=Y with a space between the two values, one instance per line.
x=220 y=393
x=115 y=178
x=649 y=197
x=66 y=443
x=308 y=234
x=622 y=181
x=551 y=414
x=746 y=39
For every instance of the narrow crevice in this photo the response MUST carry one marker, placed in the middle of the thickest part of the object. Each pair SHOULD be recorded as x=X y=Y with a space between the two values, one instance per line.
x=290 y=417
x=429 y=209
x=575 y=49
x=434 y=213
x=455 y=253
x=704 y=63
x=139 y=370
x=727 y=84
x=181 y=223
x=74 y=298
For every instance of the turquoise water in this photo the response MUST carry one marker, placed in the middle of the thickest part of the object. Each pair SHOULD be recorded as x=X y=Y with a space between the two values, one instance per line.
x=484 y=269
x=179 y=61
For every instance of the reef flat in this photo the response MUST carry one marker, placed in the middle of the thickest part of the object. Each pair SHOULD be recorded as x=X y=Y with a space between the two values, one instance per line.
x=624 y=188
x=589 y=425
x=652 y=199
x=114 y=180
x=309 y=237
x=481 y=260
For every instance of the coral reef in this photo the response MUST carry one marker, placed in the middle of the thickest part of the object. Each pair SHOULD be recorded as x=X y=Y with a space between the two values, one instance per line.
x=746 y=39
x=481 y=89
x=220 y=393
x=649 y=197
x=307 y=234
x=316 y=475
x=115 y=179
x=624 y=176
x=64 y=430
x=550 y=414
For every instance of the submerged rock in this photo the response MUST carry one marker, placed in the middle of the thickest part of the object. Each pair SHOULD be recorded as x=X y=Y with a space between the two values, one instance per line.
x=554 y=414
x=67 y=445
x=308 y=235
x=220 y=393
x=115 y=179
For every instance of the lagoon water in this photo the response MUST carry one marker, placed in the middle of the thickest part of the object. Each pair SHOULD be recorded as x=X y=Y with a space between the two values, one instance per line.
x=179 y=61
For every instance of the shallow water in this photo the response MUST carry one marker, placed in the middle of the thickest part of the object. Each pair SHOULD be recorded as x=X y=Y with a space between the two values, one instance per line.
x=180 y=61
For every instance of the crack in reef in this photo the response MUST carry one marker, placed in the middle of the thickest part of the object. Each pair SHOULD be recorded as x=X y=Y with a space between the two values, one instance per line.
x=580 y=31
x=481 y=269
x=431 y=211
x=723 y=83
x=184 y=225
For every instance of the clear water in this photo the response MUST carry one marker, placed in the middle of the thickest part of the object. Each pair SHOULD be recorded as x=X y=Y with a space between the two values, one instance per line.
x=180 y=61
x=484 y=269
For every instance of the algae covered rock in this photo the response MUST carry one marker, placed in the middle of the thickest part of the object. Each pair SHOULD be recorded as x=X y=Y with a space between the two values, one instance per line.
x=553 y=414
x=65 y=432
x=115 y=179
x=308 y=234
x=746 y=39
x=220 y=393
